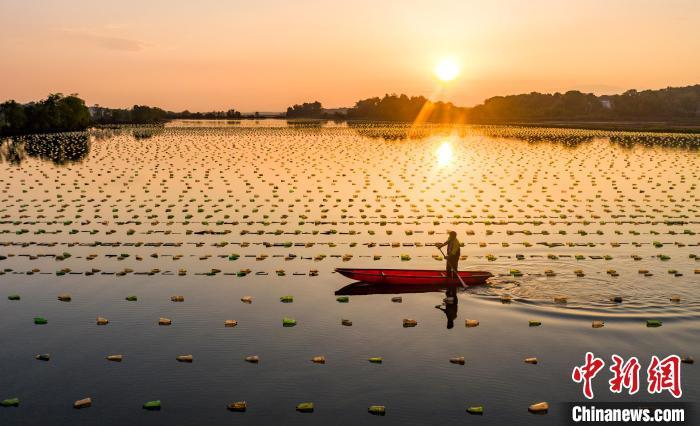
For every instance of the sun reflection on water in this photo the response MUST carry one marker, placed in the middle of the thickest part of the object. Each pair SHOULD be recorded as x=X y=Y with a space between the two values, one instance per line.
x=444 y=153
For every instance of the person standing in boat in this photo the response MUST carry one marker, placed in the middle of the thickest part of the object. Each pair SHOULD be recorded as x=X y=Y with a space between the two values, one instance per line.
x=452 y=255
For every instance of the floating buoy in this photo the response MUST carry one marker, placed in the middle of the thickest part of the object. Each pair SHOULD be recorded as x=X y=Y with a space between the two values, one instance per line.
x=286 y=299
x=184 y=358
x=346 y=322
x=288 y=322
x=152 y=405
x=10 y=402
x=471 y=323
x=319 y=359
x=397 y=299
x=597 y=324
x=560 y=299
x=13 y=297
x=616 y=299
x=540 y=408
x=131 y=298
x=675 y=299
x=479 y=410
x=253 y=359
x=82 y=403
x=115 y=358
x=408 y=322
x=506 y=299
x=376 y=360
x=102 y=321
x=40 y=321
x=531 y=360
x=64 y=297
x=343 y=299
x=164 y=321
x=377 y=410
x=43 y=357
x=457 y=360
x=534 y=323
x=247 y=299
x=177 y=298
x=239 y=406
x=653 y=323
x=305 y=407
x=230 y=323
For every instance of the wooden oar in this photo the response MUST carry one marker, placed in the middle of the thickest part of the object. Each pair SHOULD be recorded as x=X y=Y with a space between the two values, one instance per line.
x=456 y=272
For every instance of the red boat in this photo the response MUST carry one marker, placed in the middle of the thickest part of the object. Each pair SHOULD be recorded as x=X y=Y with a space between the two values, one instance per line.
x=412 y=276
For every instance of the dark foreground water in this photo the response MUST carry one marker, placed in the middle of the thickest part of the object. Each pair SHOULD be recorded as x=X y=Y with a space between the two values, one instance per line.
x=160 y=212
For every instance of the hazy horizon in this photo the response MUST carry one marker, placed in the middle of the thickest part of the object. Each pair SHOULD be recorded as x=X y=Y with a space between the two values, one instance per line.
x=264 y=57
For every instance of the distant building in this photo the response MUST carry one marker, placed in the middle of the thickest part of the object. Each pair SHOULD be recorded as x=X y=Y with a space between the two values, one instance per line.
x=97 y=112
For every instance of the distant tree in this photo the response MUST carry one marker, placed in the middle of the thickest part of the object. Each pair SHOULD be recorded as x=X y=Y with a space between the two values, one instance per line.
x=143 y=114
x=217 y=115
x=232 y=113
x=56 y=113
x=73 y=112
x=403 y=108
x=12 y=118
x=670 y=104
x=306 y=110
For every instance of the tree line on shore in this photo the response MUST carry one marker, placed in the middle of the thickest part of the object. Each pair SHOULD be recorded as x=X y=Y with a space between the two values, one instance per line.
x=59 y=113
x=56 y=113
x=141 y=114
x=679 y=104
x=673 y=104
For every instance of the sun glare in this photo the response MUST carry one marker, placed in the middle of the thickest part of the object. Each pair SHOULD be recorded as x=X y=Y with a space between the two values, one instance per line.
x=447 y=69
x=444 y=153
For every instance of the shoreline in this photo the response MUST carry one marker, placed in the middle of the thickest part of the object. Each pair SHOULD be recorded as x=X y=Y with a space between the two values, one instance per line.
x=622 y=126
x=613 y=126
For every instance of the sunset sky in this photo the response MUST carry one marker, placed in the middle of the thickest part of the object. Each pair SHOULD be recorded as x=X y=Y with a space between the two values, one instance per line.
x=265 y=55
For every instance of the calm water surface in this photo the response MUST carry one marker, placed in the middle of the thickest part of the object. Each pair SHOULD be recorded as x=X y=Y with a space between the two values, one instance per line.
x=182 y=210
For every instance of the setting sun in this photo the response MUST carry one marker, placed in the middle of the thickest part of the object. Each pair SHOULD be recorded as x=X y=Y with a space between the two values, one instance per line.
x=447 y=69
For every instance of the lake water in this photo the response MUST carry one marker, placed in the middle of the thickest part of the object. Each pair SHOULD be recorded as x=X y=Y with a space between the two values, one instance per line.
x=182 y=210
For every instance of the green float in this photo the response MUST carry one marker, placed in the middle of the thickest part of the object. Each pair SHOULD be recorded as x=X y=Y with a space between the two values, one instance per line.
x=152 y=405
x=305 y=407
x=654 y=323
x=476 y=410
x=10 y=402
x=377 y=410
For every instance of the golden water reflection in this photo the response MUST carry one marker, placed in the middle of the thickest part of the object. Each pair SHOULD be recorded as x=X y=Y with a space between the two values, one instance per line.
x=444 y=153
